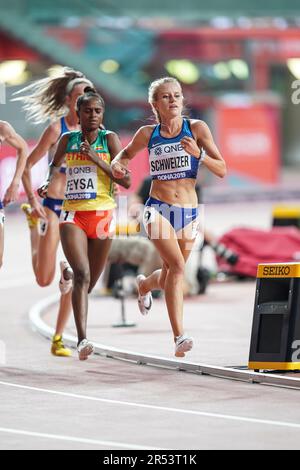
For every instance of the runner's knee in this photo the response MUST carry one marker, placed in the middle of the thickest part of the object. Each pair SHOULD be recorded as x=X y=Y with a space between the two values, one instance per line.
x=82 y=276
x=44 y=280
x=177 y=266
x=162 y=280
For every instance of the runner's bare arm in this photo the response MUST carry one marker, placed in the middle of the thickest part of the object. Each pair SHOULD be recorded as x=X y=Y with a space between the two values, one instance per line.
x=139 y=142
x=17 y=142
x=114 y=147
x=47 y=140
x=59 y=154
x=55 y=164
x=213 y=159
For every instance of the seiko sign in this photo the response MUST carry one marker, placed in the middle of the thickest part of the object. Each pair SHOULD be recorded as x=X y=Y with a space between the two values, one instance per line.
x=276 y=271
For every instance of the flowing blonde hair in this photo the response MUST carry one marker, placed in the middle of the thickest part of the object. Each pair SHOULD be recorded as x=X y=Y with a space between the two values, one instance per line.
x=46 y=98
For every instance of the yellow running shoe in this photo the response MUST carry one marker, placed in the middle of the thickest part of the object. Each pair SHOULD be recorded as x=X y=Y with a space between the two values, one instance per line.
x=58 y=348
x=31 y=220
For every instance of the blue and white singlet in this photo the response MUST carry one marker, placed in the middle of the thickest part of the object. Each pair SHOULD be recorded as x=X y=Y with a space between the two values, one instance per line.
x=167 y=158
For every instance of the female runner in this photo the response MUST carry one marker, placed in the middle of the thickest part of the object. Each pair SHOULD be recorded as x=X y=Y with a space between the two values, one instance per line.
x=87 y=218
x=9 y=136
x=51 y=98
x=175 y=147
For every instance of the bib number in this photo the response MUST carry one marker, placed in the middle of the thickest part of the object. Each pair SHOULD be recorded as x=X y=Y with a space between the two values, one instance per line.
x=81 y=183
x=67 y=216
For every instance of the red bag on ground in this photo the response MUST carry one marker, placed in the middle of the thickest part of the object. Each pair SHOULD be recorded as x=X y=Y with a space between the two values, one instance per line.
x=278 y=245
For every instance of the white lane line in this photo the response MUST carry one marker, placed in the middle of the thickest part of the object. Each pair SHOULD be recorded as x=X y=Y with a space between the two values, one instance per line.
x=224 y=373
x=158 y=408
x=10 y=283
x=77 y=439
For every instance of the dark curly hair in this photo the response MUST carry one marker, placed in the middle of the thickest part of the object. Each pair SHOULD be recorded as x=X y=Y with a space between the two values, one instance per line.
x=89 y=93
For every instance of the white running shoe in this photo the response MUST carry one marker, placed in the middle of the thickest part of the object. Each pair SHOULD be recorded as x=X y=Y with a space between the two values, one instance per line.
x=183 y=344
x=65 y=285
x=144 y=301
x=85 y=348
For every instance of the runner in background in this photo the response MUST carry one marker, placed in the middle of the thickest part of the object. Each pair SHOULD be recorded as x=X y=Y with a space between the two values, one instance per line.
x=9 y=136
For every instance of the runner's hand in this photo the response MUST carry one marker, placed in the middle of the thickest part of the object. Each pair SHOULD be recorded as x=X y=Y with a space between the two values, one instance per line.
x=37 y=209
x=190 y=146
x=42 y=190
x=11 y=194
x=118 y=171
x=87 y=150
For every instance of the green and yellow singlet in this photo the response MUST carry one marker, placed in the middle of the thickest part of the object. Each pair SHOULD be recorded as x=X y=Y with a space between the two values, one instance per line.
x=88 y=188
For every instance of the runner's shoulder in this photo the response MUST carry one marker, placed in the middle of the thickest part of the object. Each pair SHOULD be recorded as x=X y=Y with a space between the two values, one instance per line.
x=198 y=125
x=5 y=130
x=145 y=132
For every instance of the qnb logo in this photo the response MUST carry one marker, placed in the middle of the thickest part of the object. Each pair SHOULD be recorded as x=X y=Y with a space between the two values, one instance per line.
x=173 y=148
x=158 y=151
x=2 y=353
x=296 y=94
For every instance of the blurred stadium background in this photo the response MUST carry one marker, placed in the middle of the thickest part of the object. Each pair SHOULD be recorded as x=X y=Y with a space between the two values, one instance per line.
x=238 y=62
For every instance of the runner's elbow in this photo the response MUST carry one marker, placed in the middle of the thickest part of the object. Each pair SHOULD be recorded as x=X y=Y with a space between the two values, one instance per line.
x=222 y=171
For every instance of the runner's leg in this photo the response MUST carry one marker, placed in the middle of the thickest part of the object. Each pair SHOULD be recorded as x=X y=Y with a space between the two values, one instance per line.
x=165 y=240
x=1 y=237
x=65 y=307
x=186 y=239
x=75 y=246
x=98 y=253
x=45 y=264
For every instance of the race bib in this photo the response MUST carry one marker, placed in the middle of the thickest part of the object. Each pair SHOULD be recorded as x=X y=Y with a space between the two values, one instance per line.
x=67 y=217
x=149 y=215
x=81 y=183
x=169 y=158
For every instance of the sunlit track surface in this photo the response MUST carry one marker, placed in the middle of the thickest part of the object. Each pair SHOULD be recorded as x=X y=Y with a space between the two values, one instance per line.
x=39 y=325
x=53 y=403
